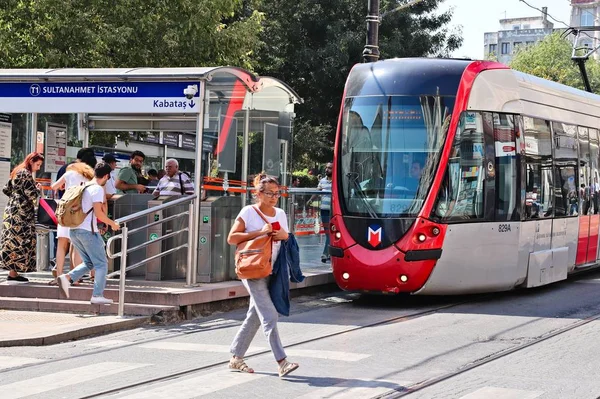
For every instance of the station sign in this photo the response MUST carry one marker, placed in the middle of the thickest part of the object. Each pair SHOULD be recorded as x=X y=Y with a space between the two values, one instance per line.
x=98 y=97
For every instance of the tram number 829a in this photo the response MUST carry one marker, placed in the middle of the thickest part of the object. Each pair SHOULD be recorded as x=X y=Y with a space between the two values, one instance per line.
x=503 y=228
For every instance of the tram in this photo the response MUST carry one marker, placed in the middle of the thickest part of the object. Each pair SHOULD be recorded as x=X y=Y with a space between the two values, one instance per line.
x=457 y=176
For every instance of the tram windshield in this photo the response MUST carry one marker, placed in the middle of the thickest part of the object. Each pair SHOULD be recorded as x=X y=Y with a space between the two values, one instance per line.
x=390 y=148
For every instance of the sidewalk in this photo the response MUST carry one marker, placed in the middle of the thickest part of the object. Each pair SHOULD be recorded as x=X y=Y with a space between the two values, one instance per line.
x=19 y=328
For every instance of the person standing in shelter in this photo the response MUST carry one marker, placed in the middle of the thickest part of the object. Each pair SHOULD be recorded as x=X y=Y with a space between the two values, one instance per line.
x=18 y=237
x=88 y=240
x=109 y=187
x=249 y=225
x=129 y=179
x=78 y=173
x=152 y=178
x=325 y=208
x=174 y=182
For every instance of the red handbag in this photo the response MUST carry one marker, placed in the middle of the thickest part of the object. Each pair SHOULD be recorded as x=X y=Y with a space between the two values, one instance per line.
x=253 y=257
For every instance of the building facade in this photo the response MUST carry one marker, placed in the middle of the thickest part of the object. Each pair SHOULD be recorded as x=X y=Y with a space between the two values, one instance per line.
x=586 y=13
x=515 y=33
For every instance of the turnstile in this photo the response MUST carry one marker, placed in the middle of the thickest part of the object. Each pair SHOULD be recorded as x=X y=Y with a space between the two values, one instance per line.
x=215 y=256
x=172 y=266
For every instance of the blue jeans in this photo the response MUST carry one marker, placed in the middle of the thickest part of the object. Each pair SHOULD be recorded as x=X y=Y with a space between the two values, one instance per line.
x=325 y=218
x=91 y=248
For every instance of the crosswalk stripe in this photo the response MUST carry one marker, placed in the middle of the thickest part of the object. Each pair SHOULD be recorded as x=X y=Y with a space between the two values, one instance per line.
x=197 y=386
x=65 y=378
x=317 y=354
x=7 y=362
x=502 y=393
x=181 y=346
x=108 y=343
x=355 y=388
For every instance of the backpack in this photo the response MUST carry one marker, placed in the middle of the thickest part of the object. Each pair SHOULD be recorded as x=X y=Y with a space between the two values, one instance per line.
x=69 y=212
x=253 y=257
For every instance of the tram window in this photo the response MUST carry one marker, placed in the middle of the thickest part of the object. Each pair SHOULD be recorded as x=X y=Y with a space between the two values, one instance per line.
x=539 y=195
x=594 y=153
x=506 y=168
x=462 y=194
x=565 y=167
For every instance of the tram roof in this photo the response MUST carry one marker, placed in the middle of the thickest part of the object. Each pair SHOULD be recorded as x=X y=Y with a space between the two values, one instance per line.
x=254 y=83
x=407 y=76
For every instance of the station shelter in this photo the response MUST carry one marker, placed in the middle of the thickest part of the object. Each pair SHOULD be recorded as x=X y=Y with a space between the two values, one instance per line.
x=223 y=124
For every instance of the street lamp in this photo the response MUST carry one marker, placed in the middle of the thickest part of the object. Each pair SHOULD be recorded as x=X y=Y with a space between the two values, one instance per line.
x=371 y=51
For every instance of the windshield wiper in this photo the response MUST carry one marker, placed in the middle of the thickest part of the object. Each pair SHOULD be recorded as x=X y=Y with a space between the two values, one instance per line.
x=353 y=177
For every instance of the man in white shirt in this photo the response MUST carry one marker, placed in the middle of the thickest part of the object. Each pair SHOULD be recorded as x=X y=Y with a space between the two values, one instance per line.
x=88 y=241
x=110 y=188
x=174 y=182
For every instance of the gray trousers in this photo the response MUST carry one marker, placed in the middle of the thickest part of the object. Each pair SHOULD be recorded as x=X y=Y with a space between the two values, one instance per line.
x=261 y=312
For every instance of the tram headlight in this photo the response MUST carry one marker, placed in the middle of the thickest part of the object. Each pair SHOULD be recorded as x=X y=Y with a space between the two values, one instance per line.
x=421 y=237
x=345 y=276
x=338 y=235
x=404 y=278
x=435 y=231
x=333 y=228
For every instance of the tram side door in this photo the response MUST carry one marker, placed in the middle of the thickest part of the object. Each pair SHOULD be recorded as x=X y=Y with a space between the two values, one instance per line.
x=594 y=216
x=585 y=198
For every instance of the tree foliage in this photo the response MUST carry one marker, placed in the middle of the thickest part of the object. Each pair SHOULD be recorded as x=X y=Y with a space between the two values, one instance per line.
x=313 y=44
x=551 y=59
x=127 y=33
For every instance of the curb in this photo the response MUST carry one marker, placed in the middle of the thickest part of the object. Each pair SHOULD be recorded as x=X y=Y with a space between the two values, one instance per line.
x=76 y=334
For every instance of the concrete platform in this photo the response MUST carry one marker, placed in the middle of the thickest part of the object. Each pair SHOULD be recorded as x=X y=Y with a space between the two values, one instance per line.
x=23 y=323
x=19 y=328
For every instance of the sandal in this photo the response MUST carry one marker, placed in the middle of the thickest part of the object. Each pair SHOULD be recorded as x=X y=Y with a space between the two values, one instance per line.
x=53 y=282
x=286 y=367
x=240 y=365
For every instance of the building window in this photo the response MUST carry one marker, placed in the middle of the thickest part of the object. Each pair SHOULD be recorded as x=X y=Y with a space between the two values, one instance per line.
x=516 y=27
x=516 y=46
x=527 y=26
x=587 y=18
x=529 y=44
x=493 y=48
x=505 y=48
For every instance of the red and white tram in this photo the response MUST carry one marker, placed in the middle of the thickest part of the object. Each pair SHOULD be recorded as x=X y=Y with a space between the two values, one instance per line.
x=456 y=176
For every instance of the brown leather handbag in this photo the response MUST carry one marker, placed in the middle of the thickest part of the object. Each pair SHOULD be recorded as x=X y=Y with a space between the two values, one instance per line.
x=253 y=257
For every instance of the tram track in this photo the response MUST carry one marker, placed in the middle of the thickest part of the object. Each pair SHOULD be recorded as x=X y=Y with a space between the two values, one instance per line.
x=185 y=372
x=405 y=391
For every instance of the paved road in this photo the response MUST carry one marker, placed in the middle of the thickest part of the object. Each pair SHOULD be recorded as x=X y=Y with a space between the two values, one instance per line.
x=540 y=343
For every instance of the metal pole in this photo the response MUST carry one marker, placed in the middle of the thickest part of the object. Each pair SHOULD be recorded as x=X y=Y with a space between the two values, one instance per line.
x=195 y=222
x=33 y=128
x=192 y=267
x=124 y=232
x=371 y=51
x=245 y=151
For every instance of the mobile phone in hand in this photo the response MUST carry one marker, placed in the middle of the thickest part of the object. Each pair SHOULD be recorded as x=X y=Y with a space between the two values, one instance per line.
x=276 y=226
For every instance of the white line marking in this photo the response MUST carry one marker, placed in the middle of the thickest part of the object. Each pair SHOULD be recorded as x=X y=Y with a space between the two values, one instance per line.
x=329 y=355
x=197 y=386
x=355 y=388
x=317 y=354
x=502 y=393
x=64 y=379
x=181 y=346
x=7 y=362
x=109 y=343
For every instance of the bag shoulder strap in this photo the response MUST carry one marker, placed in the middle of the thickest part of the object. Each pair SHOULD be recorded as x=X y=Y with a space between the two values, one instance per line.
x=262 y=216
x=181 y=184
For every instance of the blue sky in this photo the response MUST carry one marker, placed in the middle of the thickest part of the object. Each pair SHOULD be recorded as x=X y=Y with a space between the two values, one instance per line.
x=480 y=16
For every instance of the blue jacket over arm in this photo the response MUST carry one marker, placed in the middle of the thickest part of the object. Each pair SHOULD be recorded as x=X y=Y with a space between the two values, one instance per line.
x=285 y=269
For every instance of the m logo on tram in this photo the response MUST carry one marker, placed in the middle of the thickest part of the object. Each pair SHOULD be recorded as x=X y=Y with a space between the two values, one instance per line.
x=375 y=235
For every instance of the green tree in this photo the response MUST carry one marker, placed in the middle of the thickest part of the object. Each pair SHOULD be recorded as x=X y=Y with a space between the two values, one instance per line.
x=313 y=44
x=551 y=59
x=128 y=33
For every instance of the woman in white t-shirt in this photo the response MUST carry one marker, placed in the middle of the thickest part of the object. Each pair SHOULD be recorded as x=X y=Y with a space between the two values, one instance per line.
x=248 y=226
x=77 y=173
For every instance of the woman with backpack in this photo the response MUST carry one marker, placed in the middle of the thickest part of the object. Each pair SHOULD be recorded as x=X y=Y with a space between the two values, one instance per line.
x=254 y=223
x=78 y=173
x=18 y=236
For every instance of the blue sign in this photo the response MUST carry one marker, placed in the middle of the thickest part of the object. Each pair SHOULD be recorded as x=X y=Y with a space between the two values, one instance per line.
x=97 y=89
x=121 y=97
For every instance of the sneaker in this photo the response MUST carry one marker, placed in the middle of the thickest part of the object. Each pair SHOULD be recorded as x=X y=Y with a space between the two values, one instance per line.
x=324 y=258
x=16 y=280
x=63 y=284
x=100 y=300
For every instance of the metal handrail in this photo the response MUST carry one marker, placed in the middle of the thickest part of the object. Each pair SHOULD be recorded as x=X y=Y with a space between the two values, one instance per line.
x=145 y=212
x=123 y=236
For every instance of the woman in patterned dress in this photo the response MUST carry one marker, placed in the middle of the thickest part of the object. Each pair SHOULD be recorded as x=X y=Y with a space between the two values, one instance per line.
x=18 y=240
